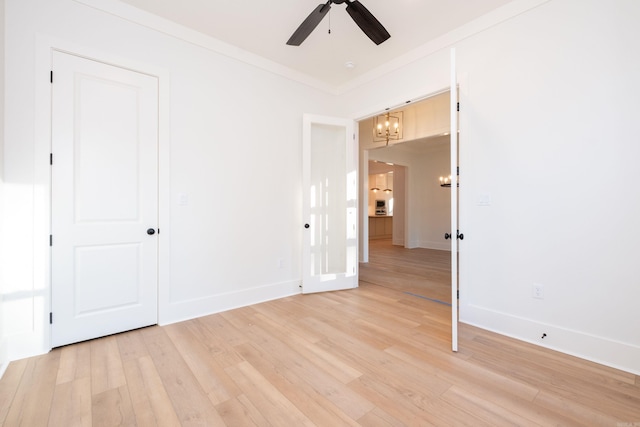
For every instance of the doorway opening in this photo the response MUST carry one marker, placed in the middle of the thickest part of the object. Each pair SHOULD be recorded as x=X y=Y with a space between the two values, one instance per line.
x=414 y=257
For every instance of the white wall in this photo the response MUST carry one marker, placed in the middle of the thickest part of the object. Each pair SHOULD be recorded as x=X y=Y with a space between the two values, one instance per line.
x=400 y=201
x=220 y=145
x=3 y=341
x=549 y=132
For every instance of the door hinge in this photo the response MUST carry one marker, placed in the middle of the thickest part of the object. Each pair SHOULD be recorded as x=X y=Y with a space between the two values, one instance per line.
x=51 y=159
x=51 y=76
x=50 y=318
x=457 y=104
x=458 y=294
x=50 y=239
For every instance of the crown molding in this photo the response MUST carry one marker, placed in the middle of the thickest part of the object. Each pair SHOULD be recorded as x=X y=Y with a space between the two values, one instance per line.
x=447 y=40
x=148 y=20
x=170 y=28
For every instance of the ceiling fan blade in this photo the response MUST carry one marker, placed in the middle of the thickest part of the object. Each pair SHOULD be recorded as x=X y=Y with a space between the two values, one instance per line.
x=367 y=22
x=309 y=24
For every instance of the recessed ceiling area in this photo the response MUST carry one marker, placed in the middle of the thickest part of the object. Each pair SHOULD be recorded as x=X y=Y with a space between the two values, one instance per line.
x=424 y=141
x=417 y=146
x=263 y=27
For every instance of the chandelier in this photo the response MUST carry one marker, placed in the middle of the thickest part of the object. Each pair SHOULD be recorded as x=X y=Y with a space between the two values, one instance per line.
x=387 y=126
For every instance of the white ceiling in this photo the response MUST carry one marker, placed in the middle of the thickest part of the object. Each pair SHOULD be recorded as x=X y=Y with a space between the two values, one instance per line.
x=262 y=27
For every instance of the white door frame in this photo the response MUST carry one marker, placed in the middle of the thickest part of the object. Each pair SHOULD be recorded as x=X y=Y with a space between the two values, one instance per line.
x=453 y=146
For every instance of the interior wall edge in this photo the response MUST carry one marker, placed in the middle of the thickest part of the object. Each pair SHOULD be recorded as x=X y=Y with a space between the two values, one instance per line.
x=3 y=341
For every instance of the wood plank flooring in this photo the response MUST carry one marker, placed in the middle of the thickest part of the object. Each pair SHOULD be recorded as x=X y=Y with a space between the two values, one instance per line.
x=373 y=356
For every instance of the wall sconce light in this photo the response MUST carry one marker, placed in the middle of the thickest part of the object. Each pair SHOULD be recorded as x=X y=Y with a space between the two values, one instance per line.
x=387 y=126
x=445 y=181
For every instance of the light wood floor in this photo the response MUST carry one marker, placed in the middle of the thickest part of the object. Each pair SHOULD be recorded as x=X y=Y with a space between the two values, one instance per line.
x=374 y=356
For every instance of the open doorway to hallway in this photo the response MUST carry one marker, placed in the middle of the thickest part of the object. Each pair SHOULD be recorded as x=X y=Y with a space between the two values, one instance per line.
x=406 y=249
x=424 y=152
x=411 y=253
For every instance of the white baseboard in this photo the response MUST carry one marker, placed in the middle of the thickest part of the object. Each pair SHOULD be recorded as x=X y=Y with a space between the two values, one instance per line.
x=615 y=354
x=3 y=368
x=4 y=362
x=185 y=310
x=429 y=244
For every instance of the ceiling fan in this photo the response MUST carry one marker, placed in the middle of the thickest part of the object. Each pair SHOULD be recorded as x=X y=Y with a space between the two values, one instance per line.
x=360 y=14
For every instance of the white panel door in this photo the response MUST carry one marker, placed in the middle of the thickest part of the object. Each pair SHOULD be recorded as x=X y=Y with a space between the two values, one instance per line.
x=330 y=204
x=104 y=196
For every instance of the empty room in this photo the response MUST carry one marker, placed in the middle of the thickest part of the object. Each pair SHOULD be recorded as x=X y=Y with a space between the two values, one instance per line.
x=186 y=206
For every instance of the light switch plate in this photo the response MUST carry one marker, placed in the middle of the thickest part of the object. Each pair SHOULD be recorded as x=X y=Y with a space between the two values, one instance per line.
x=484 y=199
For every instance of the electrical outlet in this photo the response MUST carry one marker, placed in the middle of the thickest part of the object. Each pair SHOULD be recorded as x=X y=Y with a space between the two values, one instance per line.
x=538 y=291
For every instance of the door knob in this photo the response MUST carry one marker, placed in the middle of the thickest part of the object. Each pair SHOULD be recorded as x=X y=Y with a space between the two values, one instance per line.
x=447 y=236
x=460 y=236
x=306 y=226
x=151 y=231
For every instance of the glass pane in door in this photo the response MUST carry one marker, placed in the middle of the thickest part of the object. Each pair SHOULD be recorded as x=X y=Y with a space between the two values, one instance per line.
x=328 y=201
x=330 y=258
